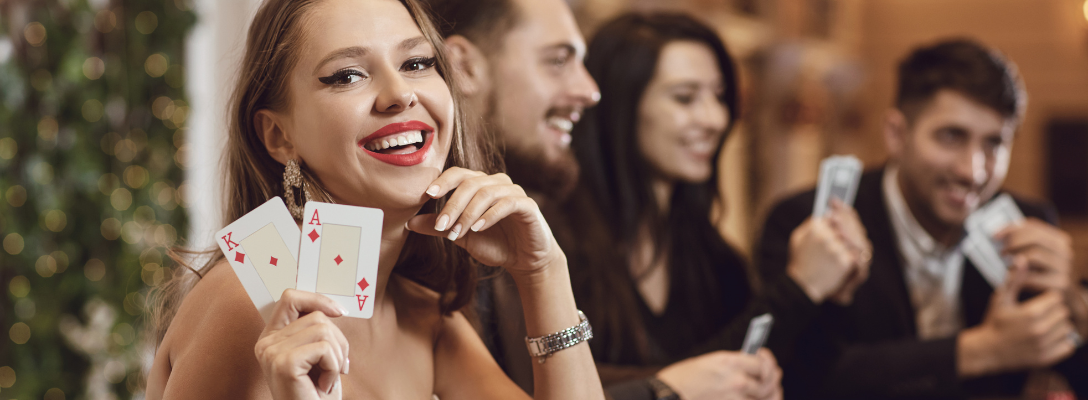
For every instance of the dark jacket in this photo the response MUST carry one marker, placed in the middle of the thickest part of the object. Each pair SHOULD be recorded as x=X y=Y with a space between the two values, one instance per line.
x=870 y=349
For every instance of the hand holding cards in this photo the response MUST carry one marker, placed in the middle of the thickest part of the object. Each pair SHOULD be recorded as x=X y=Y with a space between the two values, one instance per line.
x=980 y=246
x=338 y=256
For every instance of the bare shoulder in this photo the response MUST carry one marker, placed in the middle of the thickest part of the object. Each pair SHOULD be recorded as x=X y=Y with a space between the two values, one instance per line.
x=209 y=345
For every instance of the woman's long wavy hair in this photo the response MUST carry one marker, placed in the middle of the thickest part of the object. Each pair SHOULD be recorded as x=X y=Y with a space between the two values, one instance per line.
x=614 y=200
x=253 y=176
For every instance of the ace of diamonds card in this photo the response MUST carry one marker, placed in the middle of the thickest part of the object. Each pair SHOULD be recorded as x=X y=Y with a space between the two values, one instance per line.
x=338 y=256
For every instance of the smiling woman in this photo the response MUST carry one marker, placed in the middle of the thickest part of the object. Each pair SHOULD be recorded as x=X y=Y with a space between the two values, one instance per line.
x=364 y=105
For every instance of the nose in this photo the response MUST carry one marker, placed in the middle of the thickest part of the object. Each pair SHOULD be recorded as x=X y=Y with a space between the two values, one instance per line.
x=582 y=88
x=711 y=115
x=396 y=95
x=971 y=167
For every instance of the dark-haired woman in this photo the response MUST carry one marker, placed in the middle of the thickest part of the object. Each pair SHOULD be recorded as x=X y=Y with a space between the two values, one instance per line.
x=670 y=300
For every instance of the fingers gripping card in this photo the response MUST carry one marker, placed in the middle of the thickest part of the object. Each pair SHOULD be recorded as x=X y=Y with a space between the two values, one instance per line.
x=262 y=248
x=979 y=244
x=339 y=254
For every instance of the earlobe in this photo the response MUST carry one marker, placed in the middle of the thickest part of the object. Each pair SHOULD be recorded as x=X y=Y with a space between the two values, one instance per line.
x=469 y=65
x=895 y=131
x=269 y=128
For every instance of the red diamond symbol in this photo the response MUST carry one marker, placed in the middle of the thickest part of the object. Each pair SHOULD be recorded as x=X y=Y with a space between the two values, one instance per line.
x=274 y=261
x=239 y=257
x=338 y=259
x=363 y=285
x=313 y=235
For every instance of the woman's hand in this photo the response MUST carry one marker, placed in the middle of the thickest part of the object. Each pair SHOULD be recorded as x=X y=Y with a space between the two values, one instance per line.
x=493 y=219
x=829 y=256
x=300 y=351
x=725 y=375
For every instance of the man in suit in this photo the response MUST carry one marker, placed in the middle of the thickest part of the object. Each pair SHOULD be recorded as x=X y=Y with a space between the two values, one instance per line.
x=520 y=67
x=926 y=324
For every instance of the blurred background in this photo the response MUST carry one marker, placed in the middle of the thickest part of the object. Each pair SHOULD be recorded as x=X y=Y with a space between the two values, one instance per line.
x=112 y=125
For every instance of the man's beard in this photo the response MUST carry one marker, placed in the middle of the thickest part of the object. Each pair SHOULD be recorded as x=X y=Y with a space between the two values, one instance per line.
x=530 y=168
x=553 y=179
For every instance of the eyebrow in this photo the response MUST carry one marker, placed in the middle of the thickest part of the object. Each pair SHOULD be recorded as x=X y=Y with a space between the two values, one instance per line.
x=356 y=51
x=562 y=46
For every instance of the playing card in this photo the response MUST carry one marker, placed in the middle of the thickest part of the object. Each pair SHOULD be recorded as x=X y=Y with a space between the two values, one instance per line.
x=979 y=245
x=262 y=248
x=839 y=177
x=339 y=254
x=758 y=330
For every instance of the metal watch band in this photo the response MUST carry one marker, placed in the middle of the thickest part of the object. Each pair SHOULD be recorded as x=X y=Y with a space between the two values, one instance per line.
x=661 y=390
x=544 y=346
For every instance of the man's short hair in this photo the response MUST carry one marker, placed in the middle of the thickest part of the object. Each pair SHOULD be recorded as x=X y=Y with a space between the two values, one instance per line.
x=964 y=66
x=484 y=22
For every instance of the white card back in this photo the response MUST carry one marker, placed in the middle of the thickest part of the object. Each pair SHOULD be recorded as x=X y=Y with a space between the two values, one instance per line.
x=758 y=331
x=839 y=178
x=979 y=245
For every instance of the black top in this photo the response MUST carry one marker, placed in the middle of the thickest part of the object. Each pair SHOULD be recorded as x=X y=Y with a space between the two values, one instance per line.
x=871 y=349
x=679 y=332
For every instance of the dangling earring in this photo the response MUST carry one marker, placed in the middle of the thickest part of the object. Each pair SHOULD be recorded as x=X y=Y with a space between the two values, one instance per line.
x=292 y=178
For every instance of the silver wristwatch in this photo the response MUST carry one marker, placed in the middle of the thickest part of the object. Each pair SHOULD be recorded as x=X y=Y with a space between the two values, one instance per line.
x=544 y=346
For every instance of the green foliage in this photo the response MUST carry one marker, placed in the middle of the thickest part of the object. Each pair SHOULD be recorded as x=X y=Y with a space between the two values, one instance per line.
x=92 y=117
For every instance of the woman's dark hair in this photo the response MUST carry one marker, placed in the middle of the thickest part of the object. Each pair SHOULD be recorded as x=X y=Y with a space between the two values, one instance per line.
x=614 y=199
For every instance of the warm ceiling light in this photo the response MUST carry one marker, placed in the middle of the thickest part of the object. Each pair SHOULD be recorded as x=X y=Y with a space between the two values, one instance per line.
x=1086 y=9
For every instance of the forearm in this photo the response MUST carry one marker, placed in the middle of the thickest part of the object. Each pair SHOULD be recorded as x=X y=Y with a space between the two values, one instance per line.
x=549 y=306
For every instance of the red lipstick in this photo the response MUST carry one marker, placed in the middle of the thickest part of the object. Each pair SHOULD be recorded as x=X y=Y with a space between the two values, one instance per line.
x=401 y=160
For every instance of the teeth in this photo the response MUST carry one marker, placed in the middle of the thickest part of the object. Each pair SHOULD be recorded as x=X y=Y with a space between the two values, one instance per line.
x=560 y=123
x=400 y=139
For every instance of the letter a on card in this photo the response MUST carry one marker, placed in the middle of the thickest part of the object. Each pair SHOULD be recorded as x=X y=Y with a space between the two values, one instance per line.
x=339 y=255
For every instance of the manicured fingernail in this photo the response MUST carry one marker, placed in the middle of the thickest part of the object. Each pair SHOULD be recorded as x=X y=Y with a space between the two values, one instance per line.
x=442 y=222
x=479 y=224
x=347 y=365
x=406 y=226
x=454 y=232
x=433 y=190
x=343 y=311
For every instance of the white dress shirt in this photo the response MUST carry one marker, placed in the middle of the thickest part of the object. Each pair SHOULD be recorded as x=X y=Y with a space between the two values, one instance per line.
x=933 y=272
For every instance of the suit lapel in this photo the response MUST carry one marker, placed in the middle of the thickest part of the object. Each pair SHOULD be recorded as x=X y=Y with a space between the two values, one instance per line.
x=887 y=279
x=886 y=290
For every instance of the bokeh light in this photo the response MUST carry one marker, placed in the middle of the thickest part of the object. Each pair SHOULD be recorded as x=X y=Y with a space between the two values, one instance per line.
x=35 y=34
x=19 y=286
x=7 y=377
x=94 y=270
x=146 y=22
x=19 y=333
